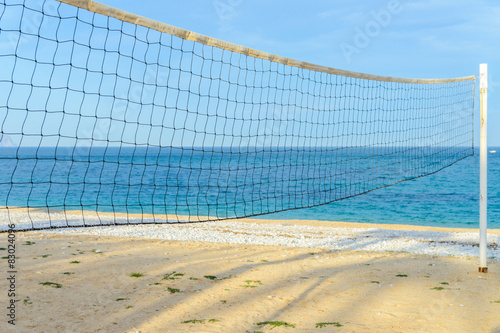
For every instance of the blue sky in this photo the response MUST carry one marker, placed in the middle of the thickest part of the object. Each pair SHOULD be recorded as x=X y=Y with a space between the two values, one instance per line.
x=415 y=39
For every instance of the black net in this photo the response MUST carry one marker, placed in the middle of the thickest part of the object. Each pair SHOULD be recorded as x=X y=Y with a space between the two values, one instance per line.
x=107 y=122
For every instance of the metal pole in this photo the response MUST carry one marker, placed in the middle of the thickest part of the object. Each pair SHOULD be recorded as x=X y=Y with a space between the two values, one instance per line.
x=483 y=151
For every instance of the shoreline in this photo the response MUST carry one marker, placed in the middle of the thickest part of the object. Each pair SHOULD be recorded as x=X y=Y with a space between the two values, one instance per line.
x=336 y=236
x=305 y=234
x=385 y=226
x=183 y=219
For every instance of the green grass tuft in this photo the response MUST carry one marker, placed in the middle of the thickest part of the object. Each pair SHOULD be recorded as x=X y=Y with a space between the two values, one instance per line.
x=497 y=301
x=172 y=276
x=253 y=281
x=122 y=299
x=402 y=275
x=29 y=243
x=251 y=284
x=275 y=324
x=210 y=277
x=74 y=262
x=375 y=282
x=444 y=283
x=437 y=288
x=321 y=325
x=173 y=290
x=194 y=321
x=68 y=273
x=52 y=284
x=136 y=274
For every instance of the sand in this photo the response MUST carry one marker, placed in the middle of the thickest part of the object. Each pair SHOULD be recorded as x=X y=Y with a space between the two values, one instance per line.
x=234 y=287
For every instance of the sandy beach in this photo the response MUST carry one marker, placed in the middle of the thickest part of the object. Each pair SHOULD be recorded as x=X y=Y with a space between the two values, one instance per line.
x=80 y=280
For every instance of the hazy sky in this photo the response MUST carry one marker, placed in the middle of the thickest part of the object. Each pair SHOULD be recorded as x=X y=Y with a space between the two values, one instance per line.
x=415 y=39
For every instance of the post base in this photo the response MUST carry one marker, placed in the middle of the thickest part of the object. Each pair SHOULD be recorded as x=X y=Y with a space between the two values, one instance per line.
x=483 y=269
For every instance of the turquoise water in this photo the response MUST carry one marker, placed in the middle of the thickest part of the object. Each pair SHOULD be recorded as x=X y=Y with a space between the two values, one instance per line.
x=236 y=183
x=449 y=198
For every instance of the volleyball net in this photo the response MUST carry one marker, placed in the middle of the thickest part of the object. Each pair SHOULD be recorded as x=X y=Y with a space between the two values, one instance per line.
x=111 y=118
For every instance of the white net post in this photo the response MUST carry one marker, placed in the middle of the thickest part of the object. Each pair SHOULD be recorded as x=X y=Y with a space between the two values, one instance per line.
x=483 y=198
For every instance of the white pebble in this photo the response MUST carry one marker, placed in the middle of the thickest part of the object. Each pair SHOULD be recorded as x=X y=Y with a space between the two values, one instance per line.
x=329 y=238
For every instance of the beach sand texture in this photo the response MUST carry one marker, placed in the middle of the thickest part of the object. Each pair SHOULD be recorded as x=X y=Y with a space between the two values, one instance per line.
x=195 y=286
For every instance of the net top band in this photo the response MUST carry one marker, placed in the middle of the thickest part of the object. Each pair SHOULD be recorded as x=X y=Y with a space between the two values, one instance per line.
x=125 y=16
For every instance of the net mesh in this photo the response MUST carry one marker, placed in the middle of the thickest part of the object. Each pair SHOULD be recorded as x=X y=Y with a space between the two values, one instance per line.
x=107 y=122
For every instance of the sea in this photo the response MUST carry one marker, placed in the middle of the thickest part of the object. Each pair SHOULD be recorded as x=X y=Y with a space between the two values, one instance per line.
x=375 y=185
x=448 y=198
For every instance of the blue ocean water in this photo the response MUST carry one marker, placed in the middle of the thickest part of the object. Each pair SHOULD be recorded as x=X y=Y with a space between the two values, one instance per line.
x=234 y=182
x=448 y=198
